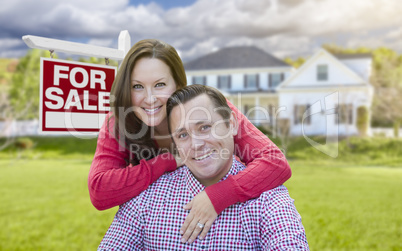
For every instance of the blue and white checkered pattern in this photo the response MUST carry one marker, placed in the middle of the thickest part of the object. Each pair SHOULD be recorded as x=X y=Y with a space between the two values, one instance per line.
x=152 y=220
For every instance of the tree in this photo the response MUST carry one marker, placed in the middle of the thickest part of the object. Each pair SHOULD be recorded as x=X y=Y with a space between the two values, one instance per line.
x=295 y=63
x=24 y=90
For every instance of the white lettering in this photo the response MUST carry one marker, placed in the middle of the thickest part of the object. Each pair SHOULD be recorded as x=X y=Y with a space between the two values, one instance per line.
x=69 y=103
x=102 y=101
x=49 y=94
x=100 y=80
x=58 y=75
x=74 y=82
x=87 y=106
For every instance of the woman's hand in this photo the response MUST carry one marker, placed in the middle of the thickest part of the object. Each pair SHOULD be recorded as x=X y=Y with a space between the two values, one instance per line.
x=202 y=211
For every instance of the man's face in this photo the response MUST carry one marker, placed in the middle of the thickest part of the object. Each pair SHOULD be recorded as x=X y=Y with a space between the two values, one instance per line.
x=203 y=139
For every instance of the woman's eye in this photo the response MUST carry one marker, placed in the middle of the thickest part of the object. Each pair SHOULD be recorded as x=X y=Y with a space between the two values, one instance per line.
x=137 y=86
x=160 y=84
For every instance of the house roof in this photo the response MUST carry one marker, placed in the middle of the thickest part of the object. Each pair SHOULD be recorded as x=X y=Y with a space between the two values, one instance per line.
x=353 y=56
x=235 y=57
x=322 y=52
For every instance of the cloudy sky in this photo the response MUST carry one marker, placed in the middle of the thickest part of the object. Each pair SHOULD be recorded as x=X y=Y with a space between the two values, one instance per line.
x=196 y=27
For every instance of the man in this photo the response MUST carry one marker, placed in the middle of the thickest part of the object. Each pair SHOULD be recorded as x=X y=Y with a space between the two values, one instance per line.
x=202 y=127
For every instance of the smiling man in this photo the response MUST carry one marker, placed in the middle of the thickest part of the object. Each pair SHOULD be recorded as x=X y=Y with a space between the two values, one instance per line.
x=202 y=127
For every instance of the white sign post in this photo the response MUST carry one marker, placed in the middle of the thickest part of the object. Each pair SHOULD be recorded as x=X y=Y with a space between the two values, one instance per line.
x=81 y=49
x=74 y=97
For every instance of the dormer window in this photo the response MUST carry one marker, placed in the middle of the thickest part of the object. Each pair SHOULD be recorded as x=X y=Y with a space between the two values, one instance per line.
x=322 y=72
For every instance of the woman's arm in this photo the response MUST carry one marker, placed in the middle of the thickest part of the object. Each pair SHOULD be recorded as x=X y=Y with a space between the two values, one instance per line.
x=267 y=167
x=110 y=181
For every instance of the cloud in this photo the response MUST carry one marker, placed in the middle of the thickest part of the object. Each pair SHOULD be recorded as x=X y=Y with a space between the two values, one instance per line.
x=11 y=48
x=282 y=27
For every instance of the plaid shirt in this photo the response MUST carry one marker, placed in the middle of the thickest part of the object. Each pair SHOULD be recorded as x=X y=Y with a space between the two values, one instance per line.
x=152 y=220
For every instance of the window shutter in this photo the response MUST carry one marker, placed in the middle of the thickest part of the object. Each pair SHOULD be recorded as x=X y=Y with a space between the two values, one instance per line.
x=258 y=80
x=204 y=80
x=282 y=76
x=230 y=81
x=295 y=115
x=245 y=81
x=269 y=80
x=219 y=82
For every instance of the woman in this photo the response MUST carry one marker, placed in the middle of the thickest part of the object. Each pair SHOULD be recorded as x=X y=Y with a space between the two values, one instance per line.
x=134 y=147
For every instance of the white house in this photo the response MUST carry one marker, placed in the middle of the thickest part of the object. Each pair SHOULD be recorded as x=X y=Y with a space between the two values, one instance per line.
x=324 y=95
x=321 y=97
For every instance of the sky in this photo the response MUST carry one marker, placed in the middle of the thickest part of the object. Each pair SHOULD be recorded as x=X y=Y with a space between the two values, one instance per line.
x=197 y=27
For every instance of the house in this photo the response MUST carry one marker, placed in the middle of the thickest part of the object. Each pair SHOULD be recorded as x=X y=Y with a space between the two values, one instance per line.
x=326 y=95
x=248 y=76
x=323 y=97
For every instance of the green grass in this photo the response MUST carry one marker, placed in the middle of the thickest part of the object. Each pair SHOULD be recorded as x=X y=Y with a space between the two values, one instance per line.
x=348 y=208
x=52 y=148
x=45 y=206
x=344 y=206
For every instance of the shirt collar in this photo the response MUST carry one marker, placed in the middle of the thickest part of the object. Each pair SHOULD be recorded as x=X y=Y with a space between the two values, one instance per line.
x=195 y=187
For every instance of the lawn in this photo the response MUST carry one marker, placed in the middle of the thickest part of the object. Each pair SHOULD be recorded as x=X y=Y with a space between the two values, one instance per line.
x=45 y=204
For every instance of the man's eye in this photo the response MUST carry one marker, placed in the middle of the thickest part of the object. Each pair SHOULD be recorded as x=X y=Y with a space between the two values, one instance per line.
x=160 y=84
x=205 y=127
x=182 y=135
x=137 y=86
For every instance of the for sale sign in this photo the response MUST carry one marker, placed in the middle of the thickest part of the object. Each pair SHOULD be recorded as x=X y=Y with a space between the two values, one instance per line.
x=74 y=97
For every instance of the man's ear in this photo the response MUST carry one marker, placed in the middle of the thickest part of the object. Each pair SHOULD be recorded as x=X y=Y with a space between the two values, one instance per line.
x=234 y=123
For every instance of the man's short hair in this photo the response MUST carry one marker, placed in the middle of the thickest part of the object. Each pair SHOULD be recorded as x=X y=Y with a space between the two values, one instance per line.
x=189 y=92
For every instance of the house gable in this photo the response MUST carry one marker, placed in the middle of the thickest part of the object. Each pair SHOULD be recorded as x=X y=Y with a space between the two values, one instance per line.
x=338 y=74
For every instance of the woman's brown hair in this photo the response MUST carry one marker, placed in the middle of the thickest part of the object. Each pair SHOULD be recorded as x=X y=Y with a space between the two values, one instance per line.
x=129 y=130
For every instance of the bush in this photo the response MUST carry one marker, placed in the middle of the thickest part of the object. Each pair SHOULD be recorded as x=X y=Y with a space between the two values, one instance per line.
x=24 y=143
x=362 y=120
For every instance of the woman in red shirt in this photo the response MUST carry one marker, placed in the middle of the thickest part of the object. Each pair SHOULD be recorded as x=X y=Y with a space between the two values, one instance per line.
x=134 y=147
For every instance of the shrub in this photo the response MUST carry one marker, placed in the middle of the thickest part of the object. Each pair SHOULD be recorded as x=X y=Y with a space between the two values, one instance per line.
x=24 y=143
x=362 y=120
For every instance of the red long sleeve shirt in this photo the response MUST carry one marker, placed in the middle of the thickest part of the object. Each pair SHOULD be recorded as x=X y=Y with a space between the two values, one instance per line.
x=111 y=182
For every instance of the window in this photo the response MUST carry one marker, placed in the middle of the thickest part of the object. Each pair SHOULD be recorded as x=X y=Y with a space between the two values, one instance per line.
x=200 y=80
x=299 y=111
x=224 y=82
x=275 y=79
x=344 y=114
x=251 y=81
x=322 y=72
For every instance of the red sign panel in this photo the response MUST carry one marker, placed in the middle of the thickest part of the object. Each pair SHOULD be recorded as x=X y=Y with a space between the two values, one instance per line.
x=74 y=97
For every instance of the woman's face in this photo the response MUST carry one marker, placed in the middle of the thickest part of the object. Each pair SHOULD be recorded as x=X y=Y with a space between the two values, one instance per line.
x=151 y=86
